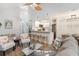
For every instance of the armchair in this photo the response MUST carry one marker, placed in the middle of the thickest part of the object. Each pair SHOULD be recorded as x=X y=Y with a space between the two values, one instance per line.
x=25 y=40
x=6 y=44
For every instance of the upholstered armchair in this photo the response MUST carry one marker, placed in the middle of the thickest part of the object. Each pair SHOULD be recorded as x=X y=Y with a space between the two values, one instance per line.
x=25 y=40
x=6 y=44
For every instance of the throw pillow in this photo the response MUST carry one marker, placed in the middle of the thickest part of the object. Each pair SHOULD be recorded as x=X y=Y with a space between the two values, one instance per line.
x=57 y=43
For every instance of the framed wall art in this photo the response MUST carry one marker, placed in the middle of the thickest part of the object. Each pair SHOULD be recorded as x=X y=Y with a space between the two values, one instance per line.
x=8 y=24
x=0 y=24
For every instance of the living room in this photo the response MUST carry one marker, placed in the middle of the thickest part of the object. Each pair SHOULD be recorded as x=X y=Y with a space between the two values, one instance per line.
x=39 y=29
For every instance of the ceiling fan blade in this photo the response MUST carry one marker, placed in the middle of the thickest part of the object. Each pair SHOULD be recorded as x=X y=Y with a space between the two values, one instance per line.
x=28 y=4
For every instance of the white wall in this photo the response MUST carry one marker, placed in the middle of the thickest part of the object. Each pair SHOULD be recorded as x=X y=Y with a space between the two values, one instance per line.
x=24 y=16
x=10 y=12
x=66 y=24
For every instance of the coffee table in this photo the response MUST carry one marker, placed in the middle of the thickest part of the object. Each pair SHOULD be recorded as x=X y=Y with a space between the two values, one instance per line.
x=27 y=51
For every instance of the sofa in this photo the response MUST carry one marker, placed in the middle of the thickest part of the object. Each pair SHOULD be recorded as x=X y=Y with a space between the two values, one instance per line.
x=69 y=47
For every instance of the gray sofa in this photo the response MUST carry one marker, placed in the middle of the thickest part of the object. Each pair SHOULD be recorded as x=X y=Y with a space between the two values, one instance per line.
x=69 y=47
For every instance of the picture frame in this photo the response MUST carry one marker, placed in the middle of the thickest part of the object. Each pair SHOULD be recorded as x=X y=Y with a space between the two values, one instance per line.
x=8 y=24
x=0 y=24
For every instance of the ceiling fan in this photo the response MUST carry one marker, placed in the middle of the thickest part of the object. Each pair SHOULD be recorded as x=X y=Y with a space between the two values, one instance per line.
x=28 y=4
x=37 y=6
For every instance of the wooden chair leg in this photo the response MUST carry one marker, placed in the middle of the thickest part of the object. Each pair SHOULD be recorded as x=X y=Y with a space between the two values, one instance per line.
x=3 y=53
